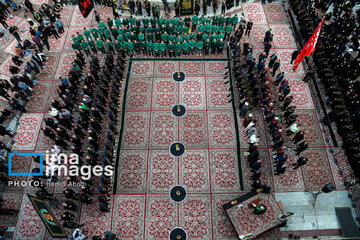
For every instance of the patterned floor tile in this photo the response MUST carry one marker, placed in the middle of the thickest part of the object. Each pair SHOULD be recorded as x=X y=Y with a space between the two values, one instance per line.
x=257 y=35
x=193 y=129
x=221 y=223
x=56 y=45
x=142 y=69
x=4 y=67
x=28 y=131
x=164 y=130
x=132 y=171
x=215 y=68
x=317 y=170
x=136 y=130
x=283 y=36
x=64 y=65
x=285 y=57
x=4 y=104
x=254 y=12
x=79 y=20
x=96 y=222
x=195 y=217
x=192 y=93
x=164 y=95
x=51 y=67
x=194 y=171
x=166 y=68
x=66 y=14
x=224 y=171
x=139 y=94
x=4 y=42
x=291 y=180
x=105 y=13
x=129 y=214
x=38 y=99
x=29 y=225
x=275 y=13
x=40 y=2
x=301 y=93
x=11 y=47
x=221 y=130
x=163 y=171
x=217 y=93
x=3 y=56
x=160 y=218
x=192 y=68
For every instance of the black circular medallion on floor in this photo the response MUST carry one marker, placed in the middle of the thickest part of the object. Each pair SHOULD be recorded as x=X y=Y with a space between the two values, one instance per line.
x=178 y=110
x=179 y=76
x=177 y=149
x=178 y=194
x=178 y=234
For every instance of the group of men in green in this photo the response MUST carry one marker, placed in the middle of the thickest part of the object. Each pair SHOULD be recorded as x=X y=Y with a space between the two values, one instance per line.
x=158 y=36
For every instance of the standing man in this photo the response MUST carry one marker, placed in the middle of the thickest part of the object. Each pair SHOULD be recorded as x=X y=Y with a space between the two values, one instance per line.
x=132 y=7
x=249 y=26
x=147 y=7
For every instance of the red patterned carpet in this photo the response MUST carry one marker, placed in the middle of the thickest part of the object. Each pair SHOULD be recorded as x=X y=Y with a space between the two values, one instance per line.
x=208 y=167
x=208 y=170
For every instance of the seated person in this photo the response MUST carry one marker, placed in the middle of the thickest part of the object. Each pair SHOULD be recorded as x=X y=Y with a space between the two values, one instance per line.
x=259 y=209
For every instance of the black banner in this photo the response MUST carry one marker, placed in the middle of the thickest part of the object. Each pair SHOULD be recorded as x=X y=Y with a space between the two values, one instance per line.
x=186 y=7
x=86 y=6
x=47 y=217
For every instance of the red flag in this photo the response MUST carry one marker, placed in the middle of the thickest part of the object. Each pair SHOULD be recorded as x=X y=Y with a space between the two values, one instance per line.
x=309 y=47
x=85 y=7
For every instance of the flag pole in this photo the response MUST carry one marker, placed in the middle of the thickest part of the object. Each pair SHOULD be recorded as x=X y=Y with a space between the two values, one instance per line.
x=307 y=67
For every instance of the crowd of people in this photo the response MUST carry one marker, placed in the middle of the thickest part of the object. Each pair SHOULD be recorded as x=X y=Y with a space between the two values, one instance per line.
x=157 y=37
x=88 y=97
x=256 y=83
x=337 y=61
x=87 y=110
x=28 y=61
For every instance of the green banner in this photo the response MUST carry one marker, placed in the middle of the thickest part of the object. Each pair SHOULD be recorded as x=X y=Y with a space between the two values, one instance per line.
x=186 y=7
x=47 y=217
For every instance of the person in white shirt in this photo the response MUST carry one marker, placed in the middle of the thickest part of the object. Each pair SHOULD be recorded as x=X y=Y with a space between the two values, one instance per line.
x=78 y=235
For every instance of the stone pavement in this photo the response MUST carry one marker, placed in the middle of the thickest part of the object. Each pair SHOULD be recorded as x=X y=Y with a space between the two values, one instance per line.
x=311 y=217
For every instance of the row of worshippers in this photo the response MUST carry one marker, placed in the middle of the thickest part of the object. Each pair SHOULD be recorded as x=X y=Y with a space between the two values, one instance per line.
x=28 y=61
x=259 y=92
x=249 y=121
x=158 y=36
x=96 y=95
x=337 y=63
x=136 y=7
